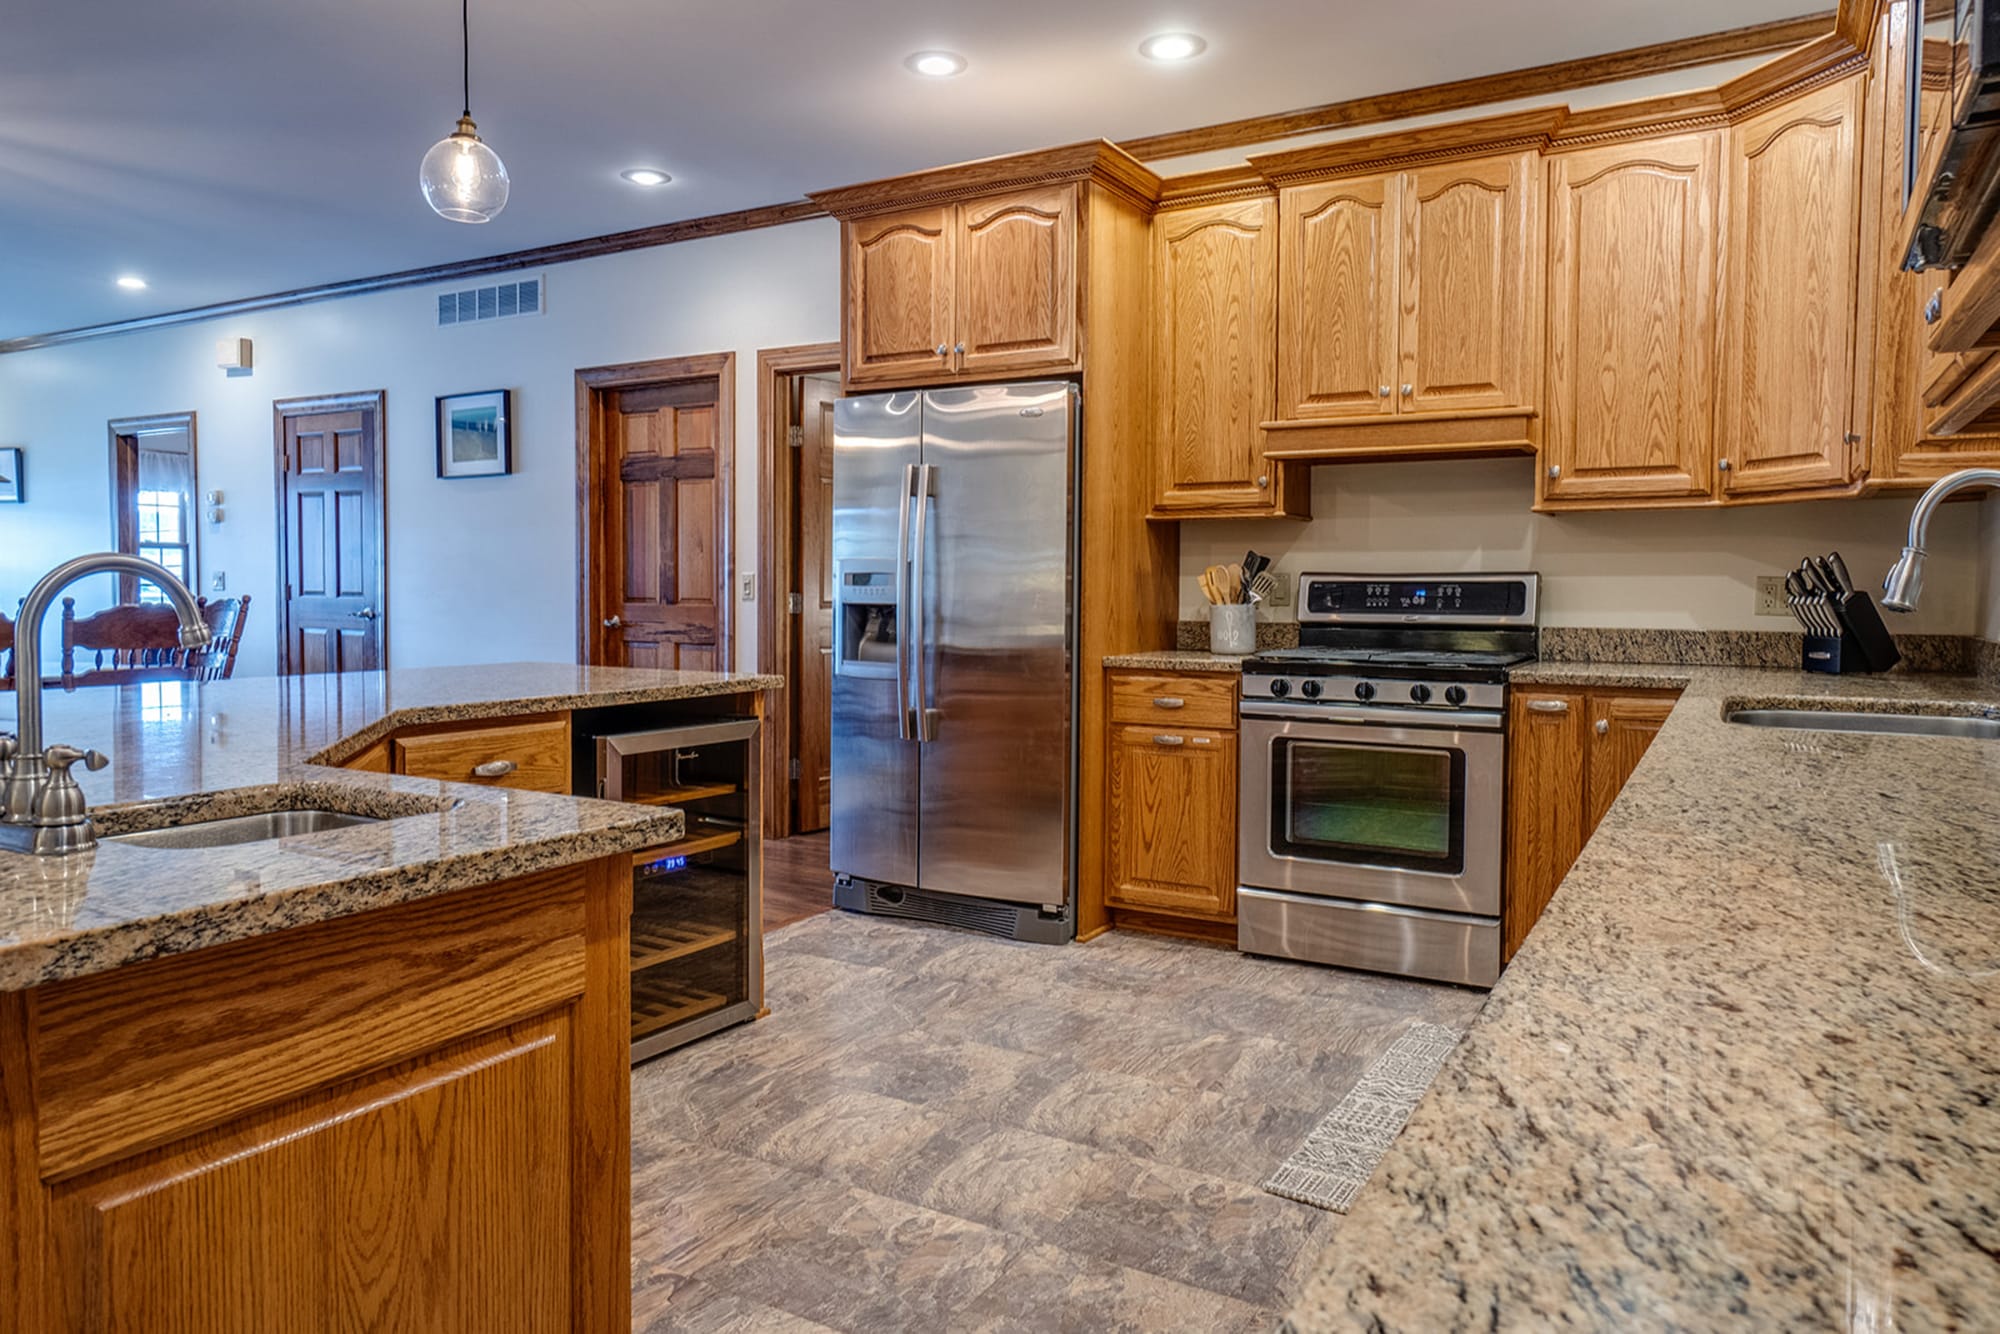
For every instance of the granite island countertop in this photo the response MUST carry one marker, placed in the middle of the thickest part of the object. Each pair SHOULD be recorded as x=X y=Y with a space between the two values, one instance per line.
x=182 y=751
x=1745 y=1072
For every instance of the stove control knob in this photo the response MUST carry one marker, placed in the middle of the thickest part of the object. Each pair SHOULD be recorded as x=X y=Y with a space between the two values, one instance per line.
x=1310 y=689
x=1420 y=693
x=1454 y=695
x=1281 y=687
x=1364 y=690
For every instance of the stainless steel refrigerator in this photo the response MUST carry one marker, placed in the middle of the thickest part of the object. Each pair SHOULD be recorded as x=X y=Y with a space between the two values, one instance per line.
x=954 y=695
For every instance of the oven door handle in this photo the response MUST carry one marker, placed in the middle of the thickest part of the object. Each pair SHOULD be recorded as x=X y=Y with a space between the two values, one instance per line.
x=1443 y=720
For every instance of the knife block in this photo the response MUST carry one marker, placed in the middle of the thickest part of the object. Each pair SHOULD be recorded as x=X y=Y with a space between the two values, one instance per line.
x=1864 y=645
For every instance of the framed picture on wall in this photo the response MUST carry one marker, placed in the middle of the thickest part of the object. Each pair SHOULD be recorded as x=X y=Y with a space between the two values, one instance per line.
x=475 y=436
x=13 y=488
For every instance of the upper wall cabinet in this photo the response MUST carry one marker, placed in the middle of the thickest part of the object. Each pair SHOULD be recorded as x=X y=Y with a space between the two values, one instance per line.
x=973 y=272
x=1215 y=280
x=1787 y=396
x=1629 y=413
x=1338 y=318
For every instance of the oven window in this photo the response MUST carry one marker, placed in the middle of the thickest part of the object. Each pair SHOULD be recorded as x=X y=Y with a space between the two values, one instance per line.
x=1370 y=805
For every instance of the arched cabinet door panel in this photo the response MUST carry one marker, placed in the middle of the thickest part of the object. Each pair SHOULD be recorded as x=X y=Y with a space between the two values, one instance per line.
x=1337 y=315
x=1017 y=284
x=900 y=271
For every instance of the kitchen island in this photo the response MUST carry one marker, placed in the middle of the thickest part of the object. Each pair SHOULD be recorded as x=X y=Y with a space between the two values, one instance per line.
x=1745 y=1072
x=368 y=1077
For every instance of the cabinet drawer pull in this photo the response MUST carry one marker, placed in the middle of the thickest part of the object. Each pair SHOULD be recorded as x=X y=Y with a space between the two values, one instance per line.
x=1204 y=741
x=494 y=769
x=1169 y=702
x=1170 y=741
x=1549 y=705
x=1603 y=727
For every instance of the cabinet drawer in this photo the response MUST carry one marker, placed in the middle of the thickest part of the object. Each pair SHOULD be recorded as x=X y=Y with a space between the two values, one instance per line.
x=538 y=753
x=1148 y=698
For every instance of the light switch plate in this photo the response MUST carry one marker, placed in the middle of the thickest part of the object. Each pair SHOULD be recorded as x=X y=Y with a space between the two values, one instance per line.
x=750 y=587
x=1771 y=596
x=218 y=582
x=1281 y=596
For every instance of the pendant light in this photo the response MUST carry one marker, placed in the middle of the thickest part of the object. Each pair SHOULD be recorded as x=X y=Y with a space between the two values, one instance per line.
x=463 y=179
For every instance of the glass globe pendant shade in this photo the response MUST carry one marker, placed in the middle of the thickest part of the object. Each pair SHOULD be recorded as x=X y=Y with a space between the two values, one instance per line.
x=463 y=179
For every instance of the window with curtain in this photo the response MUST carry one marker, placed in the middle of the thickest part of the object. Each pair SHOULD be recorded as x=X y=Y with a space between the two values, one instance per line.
x=156 y=501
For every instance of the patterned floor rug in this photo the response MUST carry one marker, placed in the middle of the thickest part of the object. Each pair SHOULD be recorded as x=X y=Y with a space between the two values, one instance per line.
x=1339 y=1156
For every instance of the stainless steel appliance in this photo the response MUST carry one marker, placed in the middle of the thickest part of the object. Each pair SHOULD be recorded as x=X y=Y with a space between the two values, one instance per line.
x=1373 y=774
x=953 y=691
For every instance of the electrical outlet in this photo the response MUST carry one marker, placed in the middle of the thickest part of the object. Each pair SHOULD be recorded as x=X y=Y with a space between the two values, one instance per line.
x=1771 y=596
x=1281 y=595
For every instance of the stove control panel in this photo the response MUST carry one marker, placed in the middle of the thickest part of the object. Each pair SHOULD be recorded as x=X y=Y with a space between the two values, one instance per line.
x=1374 y=692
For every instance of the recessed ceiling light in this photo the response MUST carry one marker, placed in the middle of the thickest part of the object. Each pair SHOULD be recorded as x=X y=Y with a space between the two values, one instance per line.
x=937 y=64
x=646 y=176
x=131 y=282
x=1171 y=46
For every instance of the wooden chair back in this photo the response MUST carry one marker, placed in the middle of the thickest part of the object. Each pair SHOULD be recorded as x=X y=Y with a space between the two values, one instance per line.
x=217 y=660
x=6 y=653
x=133 y=643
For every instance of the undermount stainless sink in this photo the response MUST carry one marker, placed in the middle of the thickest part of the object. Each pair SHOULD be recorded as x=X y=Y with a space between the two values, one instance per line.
x=236 y=830
x=1891 y=724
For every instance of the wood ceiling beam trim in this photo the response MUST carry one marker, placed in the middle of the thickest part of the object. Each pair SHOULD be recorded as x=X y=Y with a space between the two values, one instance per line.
x=1463 y=94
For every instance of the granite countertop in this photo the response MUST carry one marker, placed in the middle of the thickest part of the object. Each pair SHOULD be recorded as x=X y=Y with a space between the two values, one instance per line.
x=1744 y=1073
x=190 y=751
x=1608 y=675
x=1177 y=660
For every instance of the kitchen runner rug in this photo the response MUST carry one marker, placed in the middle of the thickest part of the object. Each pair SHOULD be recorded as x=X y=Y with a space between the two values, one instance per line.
x=1340 y=1154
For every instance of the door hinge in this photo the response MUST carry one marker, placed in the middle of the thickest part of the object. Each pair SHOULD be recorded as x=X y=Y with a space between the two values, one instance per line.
x=795 y=604
x=795 y=436
x=795 y=767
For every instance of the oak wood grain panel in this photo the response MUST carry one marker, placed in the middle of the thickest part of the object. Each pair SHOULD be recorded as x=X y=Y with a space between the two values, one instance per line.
x=1428 y=435
x=434 y=1196
x=23 y=1202
x=133 y=1058
x=1015 y=309
x=374 y=760
x=600 y=1113
x=1546 y=759
x=1633 y=273
x=1790 y=299
x=899 y=275
x=1337 y=278
x=1214 y=350
x=538 y=750
x=1622 y=726
x=1186 y=699
x=1469 y=303
x=1172 y=826
x=1100 y=164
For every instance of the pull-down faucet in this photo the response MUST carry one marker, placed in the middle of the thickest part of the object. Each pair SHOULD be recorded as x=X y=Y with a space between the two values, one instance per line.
x=1904 y=584
x=42 y=809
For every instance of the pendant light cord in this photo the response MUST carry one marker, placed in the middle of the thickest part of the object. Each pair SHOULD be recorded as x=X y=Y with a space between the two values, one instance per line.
x=465 y=52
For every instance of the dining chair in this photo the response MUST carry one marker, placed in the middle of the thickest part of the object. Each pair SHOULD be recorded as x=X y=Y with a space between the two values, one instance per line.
x=138 y=642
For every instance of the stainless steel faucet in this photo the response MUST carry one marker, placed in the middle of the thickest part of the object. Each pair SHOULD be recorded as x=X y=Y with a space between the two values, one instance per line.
x=1904 y=584
x=42 y=809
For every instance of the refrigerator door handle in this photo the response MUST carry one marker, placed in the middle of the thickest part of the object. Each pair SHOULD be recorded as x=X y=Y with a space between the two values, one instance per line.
x=924 y=718
x=904 y=731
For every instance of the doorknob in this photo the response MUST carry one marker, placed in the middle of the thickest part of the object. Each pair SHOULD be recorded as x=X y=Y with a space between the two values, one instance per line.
x=365 y=614
x=613 y=622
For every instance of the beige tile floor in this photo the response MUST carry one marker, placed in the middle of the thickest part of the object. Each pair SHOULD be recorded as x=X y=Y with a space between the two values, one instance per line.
x=938 y=1131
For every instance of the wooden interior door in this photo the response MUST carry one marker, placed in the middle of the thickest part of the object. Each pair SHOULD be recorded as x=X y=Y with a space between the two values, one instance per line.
x=1793 y=254
x=1215 y=281
x=812 y=626
x=332 y=615
x=666 y=519
x=1017 y=284
x=900 y=271
x=1631 y=347
x=1337 y=304
x=1470 y=251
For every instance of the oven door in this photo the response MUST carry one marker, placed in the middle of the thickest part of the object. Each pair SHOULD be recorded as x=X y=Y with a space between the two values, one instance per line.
x=1399 y=806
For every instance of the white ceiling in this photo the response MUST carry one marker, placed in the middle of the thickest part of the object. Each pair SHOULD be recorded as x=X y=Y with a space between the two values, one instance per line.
x=229 y=148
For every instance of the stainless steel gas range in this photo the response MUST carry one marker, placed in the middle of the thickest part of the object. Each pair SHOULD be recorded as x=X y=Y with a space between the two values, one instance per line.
x=1373 y=781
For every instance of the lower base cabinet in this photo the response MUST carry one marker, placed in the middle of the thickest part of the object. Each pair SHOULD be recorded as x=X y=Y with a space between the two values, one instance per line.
x=1569 y=752
x=1171 y=820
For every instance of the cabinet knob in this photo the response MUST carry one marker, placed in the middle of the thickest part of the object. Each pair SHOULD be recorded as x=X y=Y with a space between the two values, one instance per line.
x=1934 y=308
x=1383 y=391
x=1409 y=389
x=1603 y=727
x=1264 y=481
x=1555 y=471
x=1722 y=465
x=613 y=622
x=943 y=350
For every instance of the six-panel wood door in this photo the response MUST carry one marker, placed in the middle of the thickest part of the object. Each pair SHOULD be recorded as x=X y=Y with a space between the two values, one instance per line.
x=1631 y=328
x=901 y=275
x=1337 y=257
x=1015 y=311
x=1172 y=821
x=1470 y=255
x=1794 y=245
x=1545 y=809
x=670 y=584
x=330 y=531
x=1621 y=729
x=1215 y=279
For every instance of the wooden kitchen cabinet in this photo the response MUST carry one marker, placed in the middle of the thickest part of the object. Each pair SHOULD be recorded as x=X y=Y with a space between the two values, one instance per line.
x=1569 y=753
x=531 y=754
x=1215 y=274
x=1338 y=319
x=1170 y=824
x=1788 y=424
x=1633 y=272
x=980 y=290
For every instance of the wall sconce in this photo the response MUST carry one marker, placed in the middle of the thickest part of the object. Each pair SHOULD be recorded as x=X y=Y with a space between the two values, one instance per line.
x=232 y=355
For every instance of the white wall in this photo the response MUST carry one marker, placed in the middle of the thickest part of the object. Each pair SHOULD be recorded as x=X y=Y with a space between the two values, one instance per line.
x=480 y=570
x=1661 y=569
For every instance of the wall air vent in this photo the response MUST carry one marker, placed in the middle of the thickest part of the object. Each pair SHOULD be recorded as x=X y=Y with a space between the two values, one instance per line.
x=498 y=302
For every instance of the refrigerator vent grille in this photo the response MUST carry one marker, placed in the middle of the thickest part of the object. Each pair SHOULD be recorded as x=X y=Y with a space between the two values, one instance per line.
x=996 y=919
